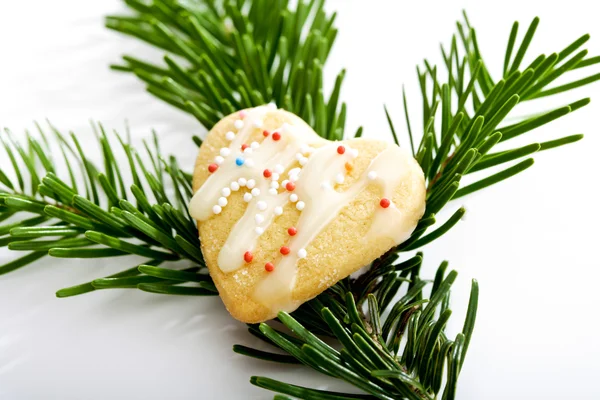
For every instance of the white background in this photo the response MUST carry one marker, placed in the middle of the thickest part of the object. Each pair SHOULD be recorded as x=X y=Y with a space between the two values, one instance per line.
x=531 y=242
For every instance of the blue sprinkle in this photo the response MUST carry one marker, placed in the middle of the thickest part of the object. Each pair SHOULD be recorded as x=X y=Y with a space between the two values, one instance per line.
x=239 y=161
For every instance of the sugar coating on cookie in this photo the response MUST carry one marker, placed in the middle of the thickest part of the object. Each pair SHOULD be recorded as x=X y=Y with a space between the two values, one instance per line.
x=309 y=211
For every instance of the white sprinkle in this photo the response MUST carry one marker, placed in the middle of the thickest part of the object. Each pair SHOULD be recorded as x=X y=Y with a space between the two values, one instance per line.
x=216 y=209
x=254 y=145
x=262 y=205
x=259 y=231
x=230 y=136
x=304 y=148
x=242 y=182
x=299 y=156
x=222 y=201
x=339 y=178
x=255 y=192
x=294 y=171
x=274 y=185
x=303 y=161
x=259 y=218
x=239 y=124
x=275 y=176
x=234 y=186
x=278 y=210
x=257 y=123
x=284 y=182
x=251 y=183
x=224 y=152
x=249 y=163
x=294 y=178
x=325 y=185
x=247 y=197
x=248 y=150
x=302 y=253
x=293 y=197
x=285 y=127
x=354 y=153
x=372 y=175
x=226 y=191
x=273 y=192
x=279 y=169
x=219 y=160
x=300 y=205
x=272 y=106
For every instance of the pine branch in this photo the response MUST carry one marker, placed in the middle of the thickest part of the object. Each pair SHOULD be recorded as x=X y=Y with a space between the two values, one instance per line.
x=469 y=108
x=394 y=353
x=225 y=56
x=103 y=221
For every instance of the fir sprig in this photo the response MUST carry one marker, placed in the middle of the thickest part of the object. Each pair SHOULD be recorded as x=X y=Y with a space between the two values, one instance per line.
x=401 y=353
x=390 y=348
x=225 y=56
x=101 y=218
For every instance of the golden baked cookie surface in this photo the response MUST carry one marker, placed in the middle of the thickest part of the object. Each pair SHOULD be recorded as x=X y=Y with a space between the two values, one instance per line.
x=283 y=214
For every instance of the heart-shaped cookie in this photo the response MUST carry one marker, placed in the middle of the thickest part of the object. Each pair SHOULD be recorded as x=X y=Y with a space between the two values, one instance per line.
x=283 y=214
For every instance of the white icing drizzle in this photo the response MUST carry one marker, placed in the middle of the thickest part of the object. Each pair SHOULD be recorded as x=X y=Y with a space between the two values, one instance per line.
x=314 y=195
x=323 y=205
x=275 y=154
x=391 y=222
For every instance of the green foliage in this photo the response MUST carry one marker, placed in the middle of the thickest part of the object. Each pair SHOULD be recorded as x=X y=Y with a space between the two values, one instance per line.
x=464 y=109
x=224 y=56
x=397 y=351
x=102 y=218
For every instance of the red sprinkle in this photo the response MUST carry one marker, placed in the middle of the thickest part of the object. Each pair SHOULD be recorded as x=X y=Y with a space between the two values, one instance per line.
x=284 y=250
x=290 y=186
x=248 y=257
x=276 y=136
x=212 y=168
x=384 y=203
x=245 y=146
x=292 y=231
x=265 y=133
x=269 y=267
x=341 y=149
x=267 y=173
x=242 y=114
